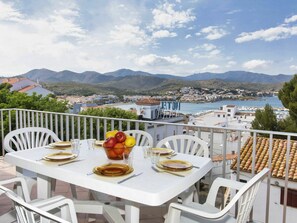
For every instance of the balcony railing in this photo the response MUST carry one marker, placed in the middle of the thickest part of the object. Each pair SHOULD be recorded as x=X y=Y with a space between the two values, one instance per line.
x=68 y=126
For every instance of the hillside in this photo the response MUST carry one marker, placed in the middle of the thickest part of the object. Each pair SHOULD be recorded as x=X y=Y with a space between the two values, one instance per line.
x=93 y=77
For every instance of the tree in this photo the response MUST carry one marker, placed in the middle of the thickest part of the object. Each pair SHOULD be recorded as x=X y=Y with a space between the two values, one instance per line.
x=288 y=96
x=113 y=113
x=265 y=119
x=14 y=99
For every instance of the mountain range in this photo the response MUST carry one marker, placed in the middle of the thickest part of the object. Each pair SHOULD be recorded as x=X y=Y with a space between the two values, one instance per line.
x=92 y=77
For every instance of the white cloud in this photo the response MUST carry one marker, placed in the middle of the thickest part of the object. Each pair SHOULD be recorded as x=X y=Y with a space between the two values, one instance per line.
x=163 y=34
x=128 y=34
x=213 y=32
x=155 y=60
x=9 y=13
x=205 y=51
x=231 y=63
x=233 y=11
x=210 y=67
x=271 y=34
x=255 y=64
x=63 y=23
x=291 y=19
x=293 y=67
x=166 y=16
x=188 y=36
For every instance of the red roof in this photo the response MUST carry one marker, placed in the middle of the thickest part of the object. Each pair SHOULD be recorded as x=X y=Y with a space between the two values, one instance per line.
x=148 y=101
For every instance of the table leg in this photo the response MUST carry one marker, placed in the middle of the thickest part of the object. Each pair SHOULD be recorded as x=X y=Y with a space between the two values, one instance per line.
x=132 y=213
x=43 y=186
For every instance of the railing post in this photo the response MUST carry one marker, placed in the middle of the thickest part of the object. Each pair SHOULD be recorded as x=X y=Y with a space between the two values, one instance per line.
x=269 y=178
x=286 y=179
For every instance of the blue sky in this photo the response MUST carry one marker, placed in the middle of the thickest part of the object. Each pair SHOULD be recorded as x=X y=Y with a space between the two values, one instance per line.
x=176 y=37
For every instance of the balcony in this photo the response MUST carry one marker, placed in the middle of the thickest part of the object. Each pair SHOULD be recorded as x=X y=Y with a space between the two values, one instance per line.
x=236 y=153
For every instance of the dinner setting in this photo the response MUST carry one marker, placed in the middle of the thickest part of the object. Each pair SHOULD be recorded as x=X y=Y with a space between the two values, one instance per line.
x=119 y=166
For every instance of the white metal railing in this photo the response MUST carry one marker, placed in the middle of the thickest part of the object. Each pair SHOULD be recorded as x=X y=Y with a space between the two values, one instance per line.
x=68 y=126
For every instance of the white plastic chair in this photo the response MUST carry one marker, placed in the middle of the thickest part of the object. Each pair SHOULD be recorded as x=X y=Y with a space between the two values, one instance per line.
x=185 y=144
x=142 y=138
x=28 y=138
x=207 y=212
x=25 y=208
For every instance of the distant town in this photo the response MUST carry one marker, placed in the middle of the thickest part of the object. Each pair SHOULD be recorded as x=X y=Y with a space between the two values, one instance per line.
x=185 y=94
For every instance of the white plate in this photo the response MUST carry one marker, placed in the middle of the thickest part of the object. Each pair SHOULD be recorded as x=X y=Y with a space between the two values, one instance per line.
x=59 y=156
x=61 y=144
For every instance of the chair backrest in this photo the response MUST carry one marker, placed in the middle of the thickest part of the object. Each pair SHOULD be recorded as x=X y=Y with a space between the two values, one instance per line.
x=27 y=138
x=187 y=144
x=27 y=213
x=142 y=138
x=246 y=197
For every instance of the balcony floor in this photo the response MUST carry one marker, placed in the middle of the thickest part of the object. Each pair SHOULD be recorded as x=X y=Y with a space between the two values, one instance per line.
x=148 y=214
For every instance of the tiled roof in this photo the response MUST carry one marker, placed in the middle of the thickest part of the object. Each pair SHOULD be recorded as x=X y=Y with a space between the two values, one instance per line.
x=12 y=80
x=25 y=89
x=278 y=160
x=148 y=101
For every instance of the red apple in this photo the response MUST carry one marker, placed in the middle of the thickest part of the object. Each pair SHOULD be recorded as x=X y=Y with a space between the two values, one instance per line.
x=109 y=142
x=120 y=136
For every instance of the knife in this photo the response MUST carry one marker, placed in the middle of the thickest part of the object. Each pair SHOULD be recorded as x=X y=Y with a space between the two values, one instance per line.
x=134 y=175
x=72 y=161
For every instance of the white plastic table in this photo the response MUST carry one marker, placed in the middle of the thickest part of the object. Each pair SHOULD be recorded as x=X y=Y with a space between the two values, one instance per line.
x=150 y=188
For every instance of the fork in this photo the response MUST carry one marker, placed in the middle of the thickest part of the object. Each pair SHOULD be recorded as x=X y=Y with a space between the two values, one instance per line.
x=165 y=171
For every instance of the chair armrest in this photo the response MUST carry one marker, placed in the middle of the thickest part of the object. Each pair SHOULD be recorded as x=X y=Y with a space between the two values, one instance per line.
x=221 y=182
x=176 y=208
x=58 y=202
x=22 y=181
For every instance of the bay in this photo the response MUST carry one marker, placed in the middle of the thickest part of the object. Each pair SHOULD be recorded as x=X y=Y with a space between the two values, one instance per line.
x=194 y=108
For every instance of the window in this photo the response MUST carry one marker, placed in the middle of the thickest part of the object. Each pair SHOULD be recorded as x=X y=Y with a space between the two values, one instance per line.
x=218 y=116
x=291 y=199
x=229 y=110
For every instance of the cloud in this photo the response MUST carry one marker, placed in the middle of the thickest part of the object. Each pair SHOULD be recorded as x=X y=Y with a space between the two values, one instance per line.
x=165 y=16
x=291 y=19
x=9 y=13
x=205 y=51
x=233 y=11
x=254 y=64
x=210 y=67
x=129 y=34
x=231 y=63
x=293 y=67
x=163 y=34
x=268 y=35
x=188 y=36
x=282 y=31
x=155 y=60
x=212 y=32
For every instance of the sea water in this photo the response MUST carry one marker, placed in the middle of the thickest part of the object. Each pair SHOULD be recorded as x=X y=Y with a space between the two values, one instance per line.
x=194 y=108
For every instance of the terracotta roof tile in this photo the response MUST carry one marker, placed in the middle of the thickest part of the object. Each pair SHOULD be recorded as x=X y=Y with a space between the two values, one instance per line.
x=278 y=159
x=12 y=80
x=25 y=89
x=148 y=101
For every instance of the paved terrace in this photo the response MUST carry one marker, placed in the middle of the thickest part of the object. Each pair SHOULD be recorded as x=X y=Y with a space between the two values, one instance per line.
x=7 y=171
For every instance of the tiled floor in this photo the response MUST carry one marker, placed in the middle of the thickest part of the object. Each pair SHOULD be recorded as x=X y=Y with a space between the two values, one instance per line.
x=148 y=214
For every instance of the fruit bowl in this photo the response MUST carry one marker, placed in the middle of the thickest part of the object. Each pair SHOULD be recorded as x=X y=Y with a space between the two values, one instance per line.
x=118 y=144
